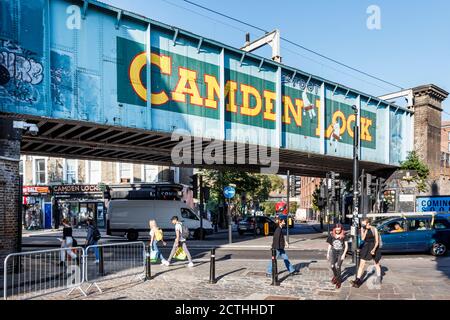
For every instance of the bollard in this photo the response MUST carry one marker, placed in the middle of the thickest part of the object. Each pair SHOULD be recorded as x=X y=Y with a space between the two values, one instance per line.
x=274 y=268
x=101 y=265
x=357 y=260
x=212 y=267
x=148 y=268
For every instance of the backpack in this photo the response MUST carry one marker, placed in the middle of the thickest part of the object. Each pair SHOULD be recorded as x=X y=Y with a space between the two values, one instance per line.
x=185 y=231
x=96 y=235
x=158 y=235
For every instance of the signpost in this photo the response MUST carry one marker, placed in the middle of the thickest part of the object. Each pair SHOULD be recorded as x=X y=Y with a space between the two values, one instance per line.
x=229 y=193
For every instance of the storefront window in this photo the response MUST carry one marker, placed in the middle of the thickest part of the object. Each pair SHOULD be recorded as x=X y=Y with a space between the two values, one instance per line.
x=40 y=171
x=94 y=175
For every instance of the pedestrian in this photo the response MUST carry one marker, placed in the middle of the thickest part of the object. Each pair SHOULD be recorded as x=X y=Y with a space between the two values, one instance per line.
x=180 y=241
x=156 y=236
x=369 y=251
x=92 y=237
x=279 y=243
x=67 y=242
x=337 y=249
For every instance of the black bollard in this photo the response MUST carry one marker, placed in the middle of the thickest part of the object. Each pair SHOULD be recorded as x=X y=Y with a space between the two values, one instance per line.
x=212 y=267
x=148 y=262
x=101 y=265
x=357 y=260
x=274 y=268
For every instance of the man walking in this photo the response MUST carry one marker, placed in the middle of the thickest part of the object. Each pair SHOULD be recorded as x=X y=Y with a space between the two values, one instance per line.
x=279 y=244
x=92 y=237
x=180 y=241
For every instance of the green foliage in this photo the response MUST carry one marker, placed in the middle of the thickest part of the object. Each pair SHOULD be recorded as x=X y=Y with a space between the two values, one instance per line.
x=413 y=162
x=256 y=187
x=315 y=199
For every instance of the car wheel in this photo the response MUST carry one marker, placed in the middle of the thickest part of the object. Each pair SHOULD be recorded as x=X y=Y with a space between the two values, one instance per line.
x=132 y=235
x=258 y=231
x=438 y=249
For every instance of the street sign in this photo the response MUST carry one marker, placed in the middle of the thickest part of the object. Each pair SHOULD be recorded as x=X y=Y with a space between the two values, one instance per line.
x=229 y=192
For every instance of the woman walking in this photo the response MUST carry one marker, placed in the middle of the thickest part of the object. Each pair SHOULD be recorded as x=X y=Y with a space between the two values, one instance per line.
x=337 y=249
x=369 y=251
x=156 y=236
x=67 y=242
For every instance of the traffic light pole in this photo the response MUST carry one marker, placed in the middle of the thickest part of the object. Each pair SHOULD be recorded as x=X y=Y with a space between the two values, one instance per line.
x=288 y=194
x=201 y=207
x=355 y=191
x=327 y=207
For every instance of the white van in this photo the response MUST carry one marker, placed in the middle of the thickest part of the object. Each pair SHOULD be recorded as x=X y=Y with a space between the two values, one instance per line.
x=130 y=218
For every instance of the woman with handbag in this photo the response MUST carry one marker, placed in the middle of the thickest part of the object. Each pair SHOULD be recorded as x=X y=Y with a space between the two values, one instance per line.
x=370 y=251
x=156 y=235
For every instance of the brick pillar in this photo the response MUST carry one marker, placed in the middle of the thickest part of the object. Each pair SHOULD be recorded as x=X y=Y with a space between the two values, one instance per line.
x=427 y=126
x=10 y=231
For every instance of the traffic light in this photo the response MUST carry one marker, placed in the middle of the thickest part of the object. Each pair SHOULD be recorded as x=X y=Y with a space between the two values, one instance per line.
x=335 y=185
x=295 y=185
x=194 y=185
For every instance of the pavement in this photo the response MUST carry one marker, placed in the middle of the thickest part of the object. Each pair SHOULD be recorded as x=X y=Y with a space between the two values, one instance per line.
x=240 y=273
x=404 y=279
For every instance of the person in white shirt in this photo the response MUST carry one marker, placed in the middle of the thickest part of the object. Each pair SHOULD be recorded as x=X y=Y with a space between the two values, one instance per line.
x=180 y=241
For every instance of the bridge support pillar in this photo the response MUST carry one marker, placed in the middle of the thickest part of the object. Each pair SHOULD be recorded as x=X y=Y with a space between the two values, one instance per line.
x=10 y=230
x=427 y=126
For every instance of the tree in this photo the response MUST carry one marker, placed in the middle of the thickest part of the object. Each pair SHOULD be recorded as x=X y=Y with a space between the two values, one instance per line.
x=257 y=187
x=413 y=162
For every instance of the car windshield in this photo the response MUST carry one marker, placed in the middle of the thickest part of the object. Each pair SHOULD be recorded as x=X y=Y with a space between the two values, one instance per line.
x=379 y=222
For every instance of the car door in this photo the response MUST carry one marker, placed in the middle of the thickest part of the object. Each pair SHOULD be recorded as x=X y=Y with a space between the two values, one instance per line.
x=393 y=241
x=419 y=234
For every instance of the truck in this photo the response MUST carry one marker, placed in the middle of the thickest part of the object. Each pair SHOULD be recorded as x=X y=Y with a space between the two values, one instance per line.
x=130 y=218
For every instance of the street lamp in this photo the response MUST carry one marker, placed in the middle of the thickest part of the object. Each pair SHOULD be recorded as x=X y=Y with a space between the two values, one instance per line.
x=355 y=225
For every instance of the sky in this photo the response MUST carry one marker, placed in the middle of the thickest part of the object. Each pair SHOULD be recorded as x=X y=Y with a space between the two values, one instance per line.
x=411 y=47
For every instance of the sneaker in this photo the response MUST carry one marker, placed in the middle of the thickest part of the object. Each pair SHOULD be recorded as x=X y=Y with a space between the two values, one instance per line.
x=190 y=265
x=97 y=261
x=165 y=262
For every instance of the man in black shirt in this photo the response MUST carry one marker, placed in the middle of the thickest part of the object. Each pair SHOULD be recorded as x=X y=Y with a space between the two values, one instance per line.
x=279 y=244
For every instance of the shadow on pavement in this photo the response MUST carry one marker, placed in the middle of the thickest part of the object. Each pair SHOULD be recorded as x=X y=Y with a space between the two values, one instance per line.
x=228 y=273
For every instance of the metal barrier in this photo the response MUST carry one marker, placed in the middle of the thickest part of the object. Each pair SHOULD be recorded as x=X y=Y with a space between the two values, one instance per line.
x=114 y=260
x=35 y=273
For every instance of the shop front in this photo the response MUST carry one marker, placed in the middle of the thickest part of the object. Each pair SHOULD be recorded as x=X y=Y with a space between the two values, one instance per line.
x=37 y=207
x=77 y=203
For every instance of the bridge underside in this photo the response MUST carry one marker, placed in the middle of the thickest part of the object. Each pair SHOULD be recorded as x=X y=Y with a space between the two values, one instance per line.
x=84 y=140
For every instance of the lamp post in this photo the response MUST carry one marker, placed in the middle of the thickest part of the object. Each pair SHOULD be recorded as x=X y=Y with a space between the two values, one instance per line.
x=355 y=224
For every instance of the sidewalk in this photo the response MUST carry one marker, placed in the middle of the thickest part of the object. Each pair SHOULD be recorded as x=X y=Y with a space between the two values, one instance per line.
x=410 y=279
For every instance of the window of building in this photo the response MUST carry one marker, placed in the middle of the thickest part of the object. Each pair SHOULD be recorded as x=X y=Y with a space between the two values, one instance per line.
x=70 y=171
x=449 y=147
x=94 y=172
x=449 y=136
x=150 y=173
x=125 y=172
x=21 y=167
x=40 y=171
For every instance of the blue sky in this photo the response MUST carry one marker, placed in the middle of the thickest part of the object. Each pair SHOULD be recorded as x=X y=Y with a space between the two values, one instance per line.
x=411 y=48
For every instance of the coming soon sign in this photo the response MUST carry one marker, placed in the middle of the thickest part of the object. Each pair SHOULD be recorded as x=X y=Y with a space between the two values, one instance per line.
x=437 y=203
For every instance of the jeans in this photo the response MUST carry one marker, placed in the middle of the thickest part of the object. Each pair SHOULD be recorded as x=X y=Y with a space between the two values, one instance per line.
x=281 y=253
x=155 y=248
x=175 y=247
x=96 y=250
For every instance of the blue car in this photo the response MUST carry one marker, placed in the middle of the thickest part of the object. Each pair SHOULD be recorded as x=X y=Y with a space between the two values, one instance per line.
x=415 y=234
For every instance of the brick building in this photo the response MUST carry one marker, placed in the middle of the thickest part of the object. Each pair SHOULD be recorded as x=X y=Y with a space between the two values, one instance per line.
x=308 y=186
x=445 y=158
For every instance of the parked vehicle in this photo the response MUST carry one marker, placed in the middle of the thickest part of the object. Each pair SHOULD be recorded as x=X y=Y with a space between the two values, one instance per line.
x=418 y=234
x=248 y=225
x=130 y=217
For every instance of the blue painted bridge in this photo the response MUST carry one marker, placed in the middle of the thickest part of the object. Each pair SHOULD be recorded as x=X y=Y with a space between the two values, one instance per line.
x=104 y=83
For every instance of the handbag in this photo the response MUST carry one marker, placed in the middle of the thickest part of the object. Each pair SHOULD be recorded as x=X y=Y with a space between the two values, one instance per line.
x=180 y=254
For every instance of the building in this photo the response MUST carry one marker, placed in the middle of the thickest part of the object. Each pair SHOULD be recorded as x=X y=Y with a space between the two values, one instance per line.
x=308 y=186
x=445 y=158
x=74 y=185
